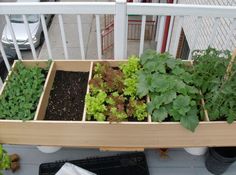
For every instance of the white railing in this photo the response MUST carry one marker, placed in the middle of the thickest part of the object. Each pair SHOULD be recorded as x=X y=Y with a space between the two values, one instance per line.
x=120 y=9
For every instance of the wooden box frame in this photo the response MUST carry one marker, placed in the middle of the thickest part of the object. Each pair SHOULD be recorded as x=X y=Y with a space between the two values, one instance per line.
x=111 y=136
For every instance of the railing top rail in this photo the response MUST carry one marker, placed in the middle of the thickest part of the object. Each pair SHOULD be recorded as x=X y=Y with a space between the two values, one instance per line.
x=58 y=8
x=181 y=10
x=109 y=8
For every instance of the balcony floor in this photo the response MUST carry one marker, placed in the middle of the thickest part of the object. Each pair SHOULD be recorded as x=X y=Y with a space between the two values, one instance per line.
x=179 y=162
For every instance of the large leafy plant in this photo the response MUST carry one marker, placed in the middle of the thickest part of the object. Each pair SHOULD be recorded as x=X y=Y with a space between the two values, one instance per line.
x=113 y=93
x=23 y=89
x=218 y=90
x=169 y=84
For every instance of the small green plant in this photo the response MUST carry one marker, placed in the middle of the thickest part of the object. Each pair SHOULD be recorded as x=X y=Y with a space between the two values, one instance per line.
x=219 y=92
x=5 y=161
x=96 y=106
x=130 y=75
x=113 y=93
x=23 y=89
x=168 y=82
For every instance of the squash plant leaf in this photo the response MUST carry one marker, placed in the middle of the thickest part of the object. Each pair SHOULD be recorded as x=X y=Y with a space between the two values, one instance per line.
x=142 y=86
x=169 y=97
x=159 y=114
x=190 y=121
x=169 y=85
x=181 y=101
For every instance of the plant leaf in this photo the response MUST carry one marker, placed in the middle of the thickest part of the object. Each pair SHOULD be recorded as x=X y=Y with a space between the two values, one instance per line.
x=159 y=114
x=190 y=121
x=142 y=85
x=169 y=97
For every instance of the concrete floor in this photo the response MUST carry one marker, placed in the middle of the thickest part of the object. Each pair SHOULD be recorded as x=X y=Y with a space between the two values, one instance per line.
x=178 y=162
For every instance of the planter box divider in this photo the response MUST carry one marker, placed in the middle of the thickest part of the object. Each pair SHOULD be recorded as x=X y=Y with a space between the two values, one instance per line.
x=149 y=116
x=46 y=91
x=90 y=76
x=71 y=65
x=29 y=63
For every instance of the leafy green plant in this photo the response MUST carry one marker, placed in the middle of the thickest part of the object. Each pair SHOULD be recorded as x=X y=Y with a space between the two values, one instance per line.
x=169 y=84
x=5 y=161
x=113 y=93
x=22 y=92
x=209 y=76
x=130 y=75
x=95 y=105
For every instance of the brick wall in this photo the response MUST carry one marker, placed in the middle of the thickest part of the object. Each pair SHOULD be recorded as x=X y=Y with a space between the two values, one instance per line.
x=221 y=40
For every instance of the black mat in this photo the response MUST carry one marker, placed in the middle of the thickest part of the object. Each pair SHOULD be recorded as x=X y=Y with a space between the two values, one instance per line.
x=122 y=164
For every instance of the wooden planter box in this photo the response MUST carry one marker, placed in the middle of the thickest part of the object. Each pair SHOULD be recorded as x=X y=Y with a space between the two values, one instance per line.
x=105 y=135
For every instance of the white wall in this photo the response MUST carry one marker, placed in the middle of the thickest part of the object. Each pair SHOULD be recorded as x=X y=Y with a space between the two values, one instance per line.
x=221 y=41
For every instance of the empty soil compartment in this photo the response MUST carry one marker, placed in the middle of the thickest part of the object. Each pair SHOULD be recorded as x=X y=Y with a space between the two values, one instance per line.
x=64 y=96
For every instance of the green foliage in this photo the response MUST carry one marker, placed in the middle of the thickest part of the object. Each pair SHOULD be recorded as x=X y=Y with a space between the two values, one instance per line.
x=169 y=84
x=130 y=75
x=5 y=161
x=119 y=100
x=219 y=93
x=95 y=105
x=20 y=97
x=137 y=109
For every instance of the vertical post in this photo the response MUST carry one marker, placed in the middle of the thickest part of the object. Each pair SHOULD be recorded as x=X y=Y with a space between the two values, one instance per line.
x=9 y=25
x=160 y=33
x=120 y=30
x=98 y=31
x=30 y=37
x=45 y=31
x=177 y=34
x=81 y=40
x=170 y=30
x=63 y=36
x=142 y=36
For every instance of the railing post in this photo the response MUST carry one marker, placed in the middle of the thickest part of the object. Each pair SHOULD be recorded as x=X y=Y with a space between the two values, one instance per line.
x=160 y=33
x=120 y=30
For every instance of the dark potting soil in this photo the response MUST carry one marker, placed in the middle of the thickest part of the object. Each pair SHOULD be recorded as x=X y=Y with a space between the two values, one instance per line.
x=66 y=101
x=132 y=119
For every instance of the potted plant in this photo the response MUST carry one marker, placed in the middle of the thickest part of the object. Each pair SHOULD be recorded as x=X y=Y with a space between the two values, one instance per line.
x=219 y=159
x=215 y=71
x=196 y=151
x=48 y=149
x=113 y=93
x=8 y=162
